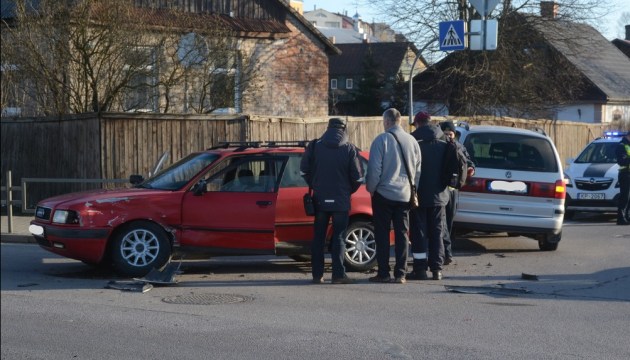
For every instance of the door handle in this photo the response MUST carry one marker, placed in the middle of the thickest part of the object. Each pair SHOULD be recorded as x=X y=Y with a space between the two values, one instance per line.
x=263 y=203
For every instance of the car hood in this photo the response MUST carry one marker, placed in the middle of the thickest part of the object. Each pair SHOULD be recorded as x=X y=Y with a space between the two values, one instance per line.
x=92 y=197
x=592 y=170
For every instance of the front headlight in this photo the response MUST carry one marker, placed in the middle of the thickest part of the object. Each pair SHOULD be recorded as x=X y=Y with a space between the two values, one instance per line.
x=65 y=217
x=567 y=180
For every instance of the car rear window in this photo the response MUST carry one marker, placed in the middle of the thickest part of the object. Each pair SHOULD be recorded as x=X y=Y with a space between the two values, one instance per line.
x=603 y=152
x=511 y=152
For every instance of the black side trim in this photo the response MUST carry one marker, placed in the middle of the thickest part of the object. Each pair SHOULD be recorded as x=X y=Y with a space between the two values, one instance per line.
x=217 y=251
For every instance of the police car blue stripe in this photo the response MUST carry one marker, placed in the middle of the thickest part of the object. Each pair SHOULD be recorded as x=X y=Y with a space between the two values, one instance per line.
x=597 y=170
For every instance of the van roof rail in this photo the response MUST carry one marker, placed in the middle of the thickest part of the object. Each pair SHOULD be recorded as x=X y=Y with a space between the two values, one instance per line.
x=539 y=130
x=463 y=124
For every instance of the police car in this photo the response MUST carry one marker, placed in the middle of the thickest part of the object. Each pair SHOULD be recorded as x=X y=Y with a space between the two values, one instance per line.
x=591 y=177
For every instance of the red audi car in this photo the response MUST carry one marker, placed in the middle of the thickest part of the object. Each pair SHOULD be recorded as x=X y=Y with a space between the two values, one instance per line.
x=233 y=199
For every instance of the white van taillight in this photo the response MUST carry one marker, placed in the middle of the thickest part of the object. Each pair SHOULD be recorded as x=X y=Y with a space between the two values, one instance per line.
x=548 y=190
x=474 y=185
x=561 y=189
x=555 y=190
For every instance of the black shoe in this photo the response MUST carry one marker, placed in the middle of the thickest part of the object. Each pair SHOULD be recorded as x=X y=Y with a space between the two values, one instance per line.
x=418 y=275
x=380 y=279
x=448 y=260
x=400 y=280
x=343 y=280
x=623 y=222
x=437 y=275
x=318 y=280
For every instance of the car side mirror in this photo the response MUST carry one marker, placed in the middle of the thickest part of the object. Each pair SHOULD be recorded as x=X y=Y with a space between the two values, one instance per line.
x=200 y=188
x=136 y=179
x=569 y=160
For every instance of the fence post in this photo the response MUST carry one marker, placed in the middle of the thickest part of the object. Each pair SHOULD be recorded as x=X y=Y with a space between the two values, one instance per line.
x=9 y=202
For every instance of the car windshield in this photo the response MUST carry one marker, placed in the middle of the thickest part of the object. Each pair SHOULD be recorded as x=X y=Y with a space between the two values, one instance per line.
x=179 y=174
x=511 y=152
x=602 y=152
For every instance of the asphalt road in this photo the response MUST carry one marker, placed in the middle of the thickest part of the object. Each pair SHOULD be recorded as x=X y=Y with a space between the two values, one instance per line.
x=265 y=307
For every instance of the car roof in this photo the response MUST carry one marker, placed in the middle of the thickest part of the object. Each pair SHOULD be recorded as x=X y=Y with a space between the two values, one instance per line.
x=501 y=129
x=607 y=139
x=260 y=147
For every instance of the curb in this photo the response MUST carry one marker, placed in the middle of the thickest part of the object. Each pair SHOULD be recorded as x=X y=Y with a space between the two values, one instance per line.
x=17 y=238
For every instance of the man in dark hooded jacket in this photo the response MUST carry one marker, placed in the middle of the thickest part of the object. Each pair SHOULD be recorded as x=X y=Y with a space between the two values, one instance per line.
x=428 y=220
x=330 y=166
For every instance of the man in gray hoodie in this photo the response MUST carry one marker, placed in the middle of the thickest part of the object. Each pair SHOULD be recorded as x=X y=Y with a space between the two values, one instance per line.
x=387 y=180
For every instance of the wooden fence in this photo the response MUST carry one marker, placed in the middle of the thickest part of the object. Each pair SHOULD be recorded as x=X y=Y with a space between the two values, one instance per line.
x=116 y=146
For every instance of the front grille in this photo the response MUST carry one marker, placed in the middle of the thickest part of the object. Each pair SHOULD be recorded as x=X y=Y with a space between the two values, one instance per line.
x=43 y=213
x=595 y=185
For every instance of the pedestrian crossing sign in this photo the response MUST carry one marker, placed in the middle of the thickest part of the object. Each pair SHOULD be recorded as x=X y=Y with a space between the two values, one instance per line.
x=452 y=35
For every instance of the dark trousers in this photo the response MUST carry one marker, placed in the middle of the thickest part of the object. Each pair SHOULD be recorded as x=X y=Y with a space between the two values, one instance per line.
x=427 y=228
x=623 y=207
x=450 y=209
x=339 y=224
x=387 y=212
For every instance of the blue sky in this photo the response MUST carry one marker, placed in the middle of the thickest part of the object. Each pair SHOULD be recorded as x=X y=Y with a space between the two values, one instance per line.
x=351 y=7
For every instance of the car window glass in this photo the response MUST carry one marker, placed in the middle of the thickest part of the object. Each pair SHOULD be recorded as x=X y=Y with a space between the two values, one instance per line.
x=291 y=176
x=244 y=175
x=511 y=152
x=603 y=152
x=180 y=173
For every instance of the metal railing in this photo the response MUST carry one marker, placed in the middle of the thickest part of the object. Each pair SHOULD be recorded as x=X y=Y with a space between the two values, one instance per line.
x=9 y=189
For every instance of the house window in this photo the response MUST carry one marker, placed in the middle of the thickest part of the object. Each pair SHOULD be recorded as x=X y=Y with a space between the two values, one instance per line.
x=141 y=92
x=10 y=90
x=349 y=83
x=333 y=83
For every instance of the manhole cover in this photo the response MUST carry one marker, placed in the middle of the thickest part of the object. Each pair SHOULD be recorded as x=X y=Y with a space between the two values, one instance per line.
x=207 y=299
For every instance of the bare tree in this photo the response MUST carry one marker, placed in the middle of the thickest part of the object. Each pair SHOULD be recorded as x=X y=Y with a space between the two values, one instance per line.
x=63 y=57
x=521 y=77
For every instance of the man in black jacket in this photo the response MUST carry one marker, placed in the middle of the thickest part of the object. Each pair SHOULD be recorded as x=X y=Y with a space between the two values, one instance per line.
x=428 y=221
x=449 y=135
x=330 y=166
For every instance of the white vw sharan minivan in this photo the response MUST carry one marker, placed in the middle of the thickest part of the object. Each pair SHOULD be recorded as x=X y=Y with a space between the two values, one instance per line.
x=518 y=186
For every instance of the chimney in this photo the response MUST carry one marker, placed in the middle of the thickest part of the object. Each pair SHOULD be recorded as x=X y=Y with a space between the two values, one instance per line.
x=332 y=39
x=628 y=32
x=549 y=9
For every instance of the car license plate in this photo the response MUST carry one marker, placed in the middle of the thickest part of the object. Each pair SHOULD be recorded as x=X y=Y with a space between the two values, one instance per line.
x=591 y=196
x=517 y=187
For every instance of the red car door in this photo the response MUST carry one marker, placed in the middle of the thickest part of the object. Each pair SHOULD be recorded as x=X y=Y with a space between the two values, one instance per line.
x=236 y=213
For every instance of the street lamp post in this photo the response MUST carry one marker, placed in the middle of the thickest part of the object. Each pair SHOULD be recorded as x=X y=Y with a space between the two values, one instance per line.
x=413 y=67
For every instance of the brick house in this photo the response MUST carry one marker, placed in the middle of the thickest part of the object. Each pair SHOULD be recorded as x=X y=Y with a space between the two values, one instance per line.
x=289 y=55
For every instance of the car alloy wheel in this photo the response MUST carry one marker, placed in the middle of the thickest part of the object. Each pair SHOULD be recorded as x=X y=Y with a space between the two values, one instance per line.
x=140 y=247
x=360 y=254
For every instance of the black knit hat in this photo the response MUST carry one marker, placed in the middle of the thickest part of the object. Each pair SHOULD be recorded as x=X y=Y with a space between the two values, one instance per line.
x=336 y=123
x=447 y=125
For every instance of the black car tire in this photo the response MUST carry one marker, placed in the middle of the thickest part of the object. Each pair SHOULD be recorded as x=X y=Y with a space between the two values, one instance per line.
x=140 y=247
x=360 y=254
x=549 y=242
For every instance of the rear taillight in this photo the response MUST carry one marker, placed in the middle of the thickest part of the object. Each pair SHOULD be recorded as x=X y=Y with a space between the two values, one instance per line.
x=555 y=190
x=561 y=189
x=548 y=190
x=474 y=185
